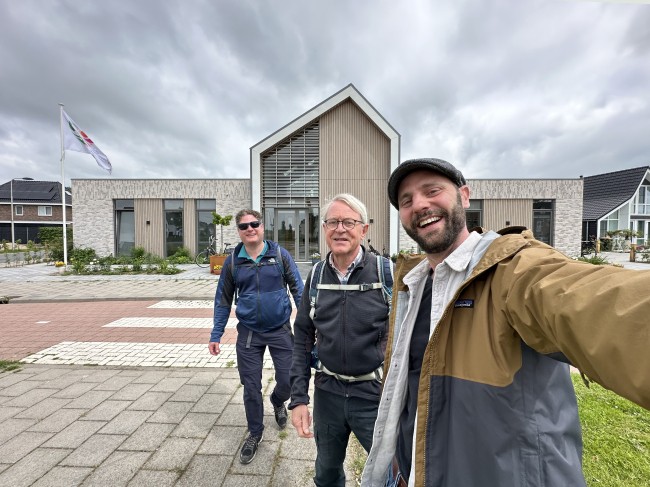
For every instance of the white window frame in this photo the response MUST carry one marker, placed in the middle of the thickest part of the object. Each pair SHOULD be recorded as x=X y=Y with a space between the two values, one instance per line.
x=18 y=210
x=44 y=211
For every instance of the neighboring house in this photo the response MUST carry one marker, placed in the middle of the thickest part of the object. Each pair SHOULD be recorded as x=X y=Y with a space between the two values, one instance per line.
x=617 y=200
x=343 y=144
x=36 y=204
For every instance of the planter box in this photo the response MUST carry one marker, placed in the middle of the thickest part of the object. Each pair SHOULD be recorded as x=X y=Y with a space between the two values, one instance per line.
x=216 y=260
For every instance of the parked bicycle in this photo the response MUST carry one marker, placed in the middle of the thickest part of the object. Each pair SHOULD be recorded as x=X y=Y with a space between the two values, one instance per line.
x=203 y=258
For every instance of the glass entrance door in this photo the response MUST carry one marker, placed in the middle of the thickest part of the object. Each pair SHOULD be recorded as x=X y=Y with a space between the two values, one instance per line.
x=295 y=229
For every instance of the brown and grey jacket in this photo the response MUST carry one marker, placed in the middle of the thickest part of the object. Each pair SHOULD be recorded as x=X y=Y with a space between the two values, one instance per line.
x=496 y=405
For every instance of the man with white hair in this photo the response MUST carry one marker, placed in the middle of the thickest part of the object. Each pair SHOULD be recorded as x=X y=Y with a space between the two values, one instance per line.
x=341 y=329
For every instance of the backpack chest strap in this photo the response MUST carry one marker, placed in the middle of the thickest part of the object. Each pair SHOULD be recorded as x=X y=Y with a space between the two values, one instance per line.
x=350 y=287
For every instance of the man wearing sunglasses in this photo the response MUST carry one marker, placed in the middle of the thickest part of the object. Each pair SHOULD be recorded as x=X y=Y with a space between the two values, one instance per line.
x=347 y=322
x=257 y=275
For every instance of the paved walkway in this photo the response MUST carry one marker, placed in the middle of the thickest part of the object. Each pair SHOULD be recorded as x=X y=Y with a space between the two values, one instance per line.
x=117 y=387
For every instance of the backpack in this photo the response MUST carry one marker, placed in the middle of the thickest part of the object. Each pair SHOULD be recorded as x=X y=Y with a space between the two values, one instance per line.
x=384 y=270
x=278 y=262
x=385 y=276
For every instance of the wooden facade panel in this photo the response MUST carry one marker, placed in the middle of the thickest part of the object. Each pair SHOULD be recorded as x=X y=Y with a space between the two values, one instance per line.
x=189 y=223
x=150 y=235
x=497 y=212
x=355 y=158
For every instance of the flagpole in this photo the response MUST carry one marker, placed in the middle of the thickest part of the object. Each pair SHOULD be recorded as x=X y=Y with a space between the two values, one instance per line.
x=63 y=198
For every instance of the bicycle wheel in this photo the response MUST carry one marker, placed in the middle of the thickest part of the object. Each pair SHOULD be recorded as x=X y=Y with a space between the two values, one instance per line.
x=202 y=259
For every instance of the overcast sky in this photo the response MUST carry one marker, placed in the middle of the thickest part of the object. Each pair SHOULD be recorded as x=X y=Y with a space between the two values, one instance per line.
x=183 y=89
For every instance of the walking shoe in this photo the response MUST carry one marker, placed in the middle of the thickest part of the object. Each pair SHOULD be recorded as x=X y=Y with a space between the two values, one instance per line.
x=249 y=449
x=280 y=415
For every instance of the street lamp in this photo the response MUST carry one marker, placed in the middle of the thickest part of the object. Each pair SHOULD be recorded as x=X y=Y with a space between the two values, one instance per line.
x=11 y=186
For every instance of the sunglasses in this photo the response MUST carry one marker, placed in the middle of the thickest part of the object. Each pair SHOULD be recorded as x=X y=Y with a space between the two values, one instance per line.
x=244 y=226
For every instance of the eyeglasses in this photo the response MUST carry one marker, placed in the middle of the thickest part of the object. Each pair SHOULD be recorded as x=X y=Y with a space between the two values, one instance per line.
x=348 y=223
x=244 y=226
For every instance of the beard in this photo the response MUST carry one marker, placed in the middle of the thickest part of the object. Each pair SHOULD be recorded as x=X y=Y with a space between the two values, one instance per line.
x=434 y=242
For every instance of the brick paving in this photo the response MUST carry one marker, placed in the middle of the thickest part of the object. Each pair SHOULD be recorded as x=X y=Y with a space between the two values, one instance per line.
x=117 y=387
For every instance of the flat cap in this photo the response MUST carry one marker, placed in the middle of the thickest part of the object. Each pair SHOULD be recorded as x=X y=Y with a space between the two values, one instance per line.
x=407 y=167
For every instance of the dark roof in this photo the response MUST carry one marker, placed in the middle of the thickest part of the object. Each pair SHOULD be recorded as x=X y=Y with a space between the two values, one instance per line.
x=42 y=192
x=604 y=193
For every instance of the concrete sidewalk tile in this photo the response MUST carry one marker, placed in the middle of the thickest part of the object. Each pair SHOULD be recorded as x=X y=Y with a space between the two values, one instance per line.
x=225 y=386
x=20 y=388
x=151 y=377
x=148 y=437
x=30 y=398
x=63 y=477
x=195 y=425
x=10 y=378
x=125 y=423
x=32 y=467
x=12 y=427
x=99 y=376
x=210 y=403
x=147 y=478
x=20 y=445
x=223 y=440
x=114 y=383
x=150 y=401
x=206 y=378
x=247 y=480
x=7 y=412
x=74 y=435
x=174 y=453
x=94 y=451
x=296 y=448
x=169 y=384
x=293 y=473
x=89 y=400
x=75 y=390
x=205 y=471
x=117 y=469
x=131 y=392
x=189 y=393
x=42 y=409
x=58 y=420
x=233 y=415
x=171 y=412
x=106 y=410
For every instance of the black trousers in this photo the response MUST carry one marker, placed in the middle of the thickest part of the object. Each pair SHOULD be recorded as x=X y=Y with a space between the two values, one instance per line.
x=335 y=417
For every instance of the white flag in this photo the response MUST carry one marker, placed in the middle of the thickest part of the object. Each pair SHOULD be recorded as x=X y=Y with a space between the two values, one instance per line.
x=77 y=140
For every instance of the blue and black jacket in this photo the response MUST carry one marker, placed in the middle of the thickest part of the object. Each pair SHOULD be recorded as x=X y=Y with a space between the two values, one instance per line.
x=263 y=302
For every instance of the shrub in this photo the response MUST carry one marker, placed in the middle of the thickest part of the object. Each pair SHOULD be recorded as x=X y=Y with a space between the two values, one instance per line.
x=85 y=255
x=138 y=253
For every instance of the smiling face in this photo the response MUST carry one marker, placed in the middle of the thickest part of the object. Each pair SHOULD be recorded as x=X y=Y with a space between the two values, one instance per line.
x=431 y=209
x=344 y=243
x=251 y=236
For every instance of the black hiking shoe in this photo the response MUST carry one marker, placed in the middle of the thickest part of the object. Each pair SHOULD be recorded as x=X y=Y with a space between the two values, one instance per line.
x=249 y=449
x=280 y=415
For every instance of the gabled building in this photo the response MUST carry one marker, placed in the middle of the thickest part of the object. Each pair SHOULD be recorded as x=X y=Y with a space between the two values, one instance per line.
x=617 y=200
x=35 y=204
x=341 y=145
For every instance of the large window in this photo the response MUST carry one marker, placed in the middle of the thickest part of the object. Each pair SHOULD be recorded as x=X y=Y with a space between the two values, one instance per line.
x=608 y=224
x=204 y=226
x=474 y=214
x=543 y=220
x=44 y=211
x=173 y=226
x=642 y=201
x=124 y=227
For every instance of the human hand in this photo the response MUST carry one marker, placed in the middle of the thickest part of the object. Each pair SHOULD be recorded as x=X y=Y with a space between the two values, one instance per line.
x=214 y=348
x=301 y=420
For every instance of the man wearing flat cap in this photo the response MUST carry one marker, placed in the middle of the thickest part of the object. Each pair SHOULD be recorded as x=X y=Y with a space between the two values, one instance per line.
x=483 y=329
